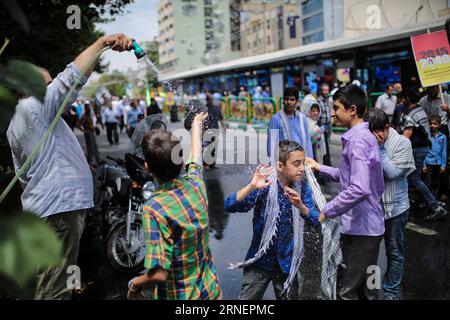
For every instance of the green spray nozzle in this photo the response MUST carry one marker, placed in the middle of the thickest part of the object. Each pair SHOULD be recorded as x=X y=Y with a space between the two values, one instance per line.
x=138 y=51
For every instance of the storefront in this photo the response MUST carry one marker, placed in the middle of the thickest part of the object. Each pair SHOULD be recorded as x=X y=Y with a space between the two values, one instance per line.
x=374 y=61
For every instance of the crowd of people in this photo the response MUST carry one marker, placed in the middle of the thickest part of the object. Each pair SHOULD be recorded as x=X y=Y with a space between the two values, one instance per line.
x=380 y=161
x=378 y=166
x=112 y=115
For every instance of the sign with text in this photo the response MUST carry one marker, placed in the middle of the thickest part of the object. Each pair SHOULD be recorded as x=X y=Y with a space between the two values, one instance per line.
x=431 y=53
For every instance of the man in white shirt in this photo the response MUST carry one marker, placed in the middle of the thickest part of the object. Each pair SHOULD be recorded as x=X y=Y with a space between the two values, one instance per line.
x=387 y=102
x=57 y=187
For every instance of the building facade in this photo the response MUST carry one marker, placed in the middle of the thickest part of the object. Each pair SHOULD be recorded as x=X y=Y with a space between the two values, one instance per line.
x=367 y=17
x=268 y=26
x=196 y=33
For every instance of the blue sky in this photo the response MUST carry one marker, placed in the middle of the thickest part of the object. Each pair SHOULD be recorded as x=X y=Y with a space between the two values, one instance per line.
x=140 y=21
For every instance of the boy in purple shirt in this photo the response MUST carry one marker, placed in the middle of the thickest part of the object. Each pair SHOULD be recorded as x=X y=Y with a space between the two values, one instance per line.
x=358 y=203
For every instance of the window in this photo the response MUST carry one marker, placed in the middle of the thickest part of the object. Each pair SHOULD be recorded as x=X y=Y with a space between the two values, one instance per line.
x=313 y=23
x=268 y=40
x=311 y=6
x=209 y=35
x=208 y=23
x=313 y=38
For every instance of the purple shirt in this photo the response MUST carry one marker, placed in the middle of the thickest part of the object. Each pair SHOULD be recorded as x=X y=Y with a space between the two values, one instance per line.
x=361 y=184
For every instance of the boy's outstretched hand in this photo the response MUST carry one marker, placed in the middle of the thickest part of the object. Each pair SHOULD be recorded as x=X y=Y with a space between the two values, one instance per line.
x=296 y=200
x=313 y=164
x=260 y=177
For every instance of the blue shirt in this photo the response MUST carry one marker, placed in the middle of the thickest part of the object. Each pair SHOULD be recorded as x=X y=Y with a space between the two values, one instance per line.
x=282 y=247
x=110 y=116
x=133 y=117
x=275 y=123
x=58 y=179
x=437 y=154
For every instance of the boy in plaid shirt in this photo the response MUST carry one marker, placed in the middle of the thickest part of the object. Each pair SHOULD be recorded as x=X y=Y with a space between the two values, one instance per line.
x=175 y=221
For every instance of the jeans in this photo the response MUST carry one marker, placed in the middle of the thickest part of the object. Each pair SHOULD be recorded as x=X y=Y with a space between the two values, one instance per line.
x=256 y=280
x=415 y=178
x=52 y=282
x=394 y=237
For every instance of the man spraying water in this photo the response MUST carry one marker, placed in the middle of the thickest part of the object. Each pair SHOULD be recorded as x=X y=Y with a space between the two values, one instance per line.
x=58 y=183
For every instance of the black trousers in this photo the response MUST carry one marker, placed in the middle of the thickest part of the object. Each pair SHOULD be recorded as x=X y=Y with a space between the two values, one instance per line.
x=111 y=128
x=358 y=253
x=436 y=181
x=327 y=156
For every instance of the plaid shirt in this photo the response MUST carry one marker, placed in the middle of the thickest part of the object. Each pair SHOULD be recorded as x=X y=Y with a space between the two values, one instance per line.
x=177 y=239
x=325 y=110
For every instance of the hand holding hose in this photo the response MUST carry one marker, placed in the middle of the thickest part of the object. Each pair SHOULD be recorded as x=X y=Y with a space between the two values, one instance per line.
x=87 y=60
x=118 y=42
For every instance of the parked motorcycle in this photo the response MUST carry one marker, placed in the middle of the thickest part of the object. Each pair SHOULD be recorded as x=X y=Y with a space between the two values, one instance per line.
x=121 y=190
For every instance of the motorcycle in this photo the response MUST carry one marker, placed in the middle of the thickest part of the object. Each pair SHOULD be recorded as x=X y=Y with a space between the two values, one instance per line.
x=121 y=190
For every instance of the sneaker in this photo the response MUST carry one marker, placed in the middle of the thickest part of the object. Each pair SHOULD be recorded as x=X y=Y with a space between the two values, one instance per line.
x=437 y=214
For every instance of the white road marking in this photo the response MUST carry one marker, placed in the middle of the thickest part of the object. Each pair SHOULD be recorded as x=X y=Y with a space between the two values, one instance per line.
x=420 y=229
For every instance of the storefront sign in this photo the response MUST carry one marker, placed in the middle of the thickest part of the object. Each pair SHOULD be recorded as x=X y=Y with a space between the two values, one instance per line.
x=432 y=56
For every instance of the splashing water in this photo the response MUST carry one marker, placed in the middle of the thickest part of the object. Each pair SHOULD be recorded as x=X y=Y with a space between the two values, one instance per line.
x=169 y=86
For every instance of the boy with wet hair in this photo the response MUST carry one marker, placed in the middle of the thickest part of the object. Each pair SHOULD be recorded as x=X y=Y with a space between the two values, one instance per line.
x=358 y=203
x=176 y=225
x=281 y=200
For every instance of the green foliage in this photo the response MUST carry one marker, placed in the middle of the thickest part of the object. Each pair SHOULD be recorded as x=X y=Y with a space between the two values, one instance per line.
x=115 y=82
x=7 y=103
x=26 y=244
x=49 y=43
x=151 y=48
x=24 y=78
x=16 y=14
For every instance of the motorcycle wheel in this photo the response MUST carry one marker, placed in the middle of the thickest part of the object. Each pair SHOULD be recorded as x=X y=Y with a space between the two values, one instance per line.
x=126 y=258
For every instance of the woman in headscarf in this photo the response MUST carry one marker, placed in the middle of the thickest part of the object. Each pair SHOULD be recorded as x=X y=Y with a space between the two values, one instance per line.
x=312 y=112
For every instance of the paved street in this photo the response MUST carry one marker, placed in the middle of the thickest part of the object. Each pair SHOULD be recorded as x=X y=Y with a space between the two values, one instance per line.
x=427 y=266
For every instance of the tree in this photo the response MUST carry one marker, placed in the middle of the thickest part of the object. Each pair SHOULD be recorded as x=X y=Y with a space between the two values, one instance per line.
x=115 y=82
x=50 y=43
x=151 y=47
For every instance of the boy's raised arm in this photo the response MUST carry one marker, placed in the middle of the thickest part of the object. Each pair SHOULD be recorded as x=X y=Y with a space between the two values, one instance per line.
x=196 y=138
